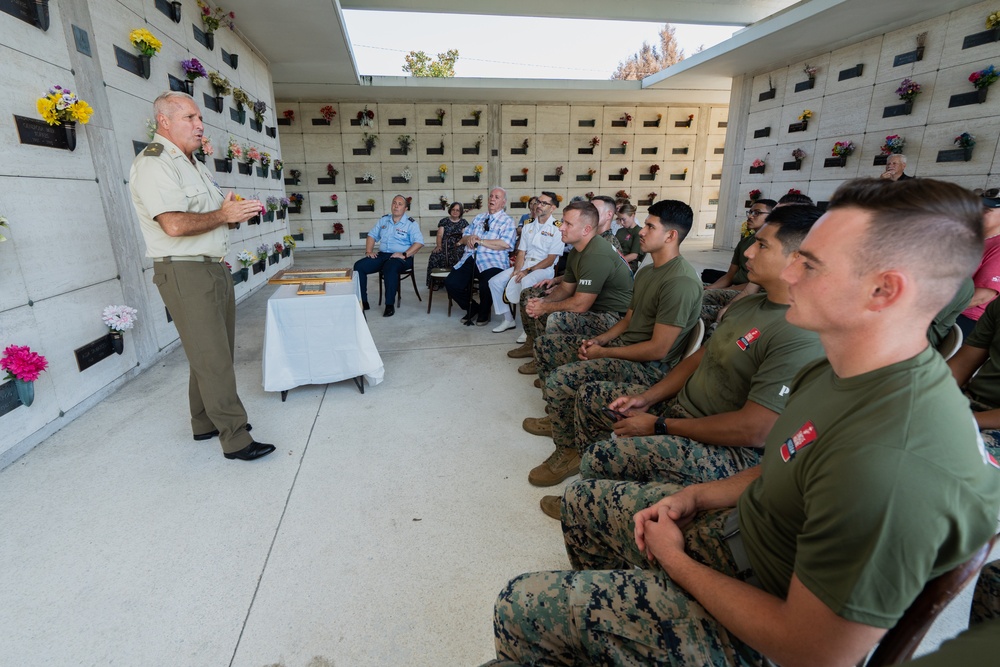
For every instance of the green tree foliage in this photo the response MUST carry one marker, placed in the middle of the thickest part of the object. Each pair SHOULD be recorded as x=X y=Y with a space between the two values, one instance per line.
x=419 y=63
x=651 y=59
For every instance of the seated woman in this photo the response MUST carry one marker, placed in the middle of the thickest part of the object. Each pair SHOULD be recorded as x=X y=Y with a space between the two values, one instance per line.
x=628 y=236
x=447 y=252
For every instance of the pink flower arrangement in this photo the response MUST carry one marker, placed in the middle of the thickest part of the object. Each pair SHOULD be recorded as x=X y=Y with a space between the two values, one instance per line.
x=757 y=163
x=327 y=113
x=252 y=154
x=206 y=146
x=119 y=318
x=333 y=198
x=21 y=363
x=754 y=195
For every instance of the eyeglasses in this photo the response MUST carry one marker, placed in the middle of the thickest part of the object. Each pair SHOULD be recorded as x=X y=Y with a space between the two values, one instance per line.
x=542 y=202
x=753 y=214
x=486 y=224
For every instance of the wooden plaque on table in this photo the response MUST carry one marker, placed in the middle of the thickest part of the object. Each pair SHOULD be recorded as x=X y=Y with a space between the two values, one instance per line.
x=311 y=277
x=312 y=288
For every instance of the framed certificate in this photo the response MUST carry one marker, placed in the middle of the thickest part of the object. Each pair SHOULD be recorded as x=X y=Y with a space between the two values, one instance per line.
x=314 y=276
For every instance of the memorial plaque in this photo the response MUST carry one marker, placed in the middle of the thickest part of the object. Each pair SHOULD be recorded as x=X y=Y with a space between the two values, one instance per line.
x=645 y=202
x=435 y=207
x=521 y=122
x=272 y=259
x=678 y=177
x=203 y=38
x=798 y=127
x=519 y=178
x=431 y=121
x=965 y=99
x=165 y=8
x=723 y=124
x=519 y=204
x=981 y=38
x=880 y=160
x=366 y=208
x=470 y=122
x=355 y=122
x=584 y=177
x=361 y=181
x=256 y=126
x=616 y=177
x=679 y=151
x=586 y=123
x=649 y=151
x=909 y=57
x=439 y=150
x=29 y=11
x=397 y=121
x=470 y=151
x=650 y=123
x=619 y=123
x=475 y=179
x=399 y=179
x=713 y=202
x=329 y=209
x=647 y=177
x=322 y=121
x=518 y=151
x=327 y=181
x=851 y=73
x=620 y=150
x=37 y=132
x=8 y=398
x=805 y=85
x=360 y=151
x=284 y=121
x=794 y=165
x=720 y=151
x=955 y=155
x=764 y=132
x=716 y=177
x=897 y=110
x=682 y=123
x=767 y=95
x=129 y=62
x=169 y=319
x=210 y=102
x=585 y=151
x=93 y=352
x=835 y=162
x=177 y=85
x=82 y=40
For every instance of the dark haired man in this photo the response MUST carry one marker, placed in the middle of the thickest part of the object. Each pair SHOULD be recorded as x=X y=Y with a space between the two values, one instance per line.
x=708 y=417
x=873 y=480
x=639 y=349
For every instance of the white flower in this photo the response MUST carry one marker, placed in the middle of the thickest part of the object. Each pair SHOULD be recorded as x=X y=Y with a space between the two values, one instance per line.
x=3 y=223
x=119 y=318
x=407 y=174
x=369 y=177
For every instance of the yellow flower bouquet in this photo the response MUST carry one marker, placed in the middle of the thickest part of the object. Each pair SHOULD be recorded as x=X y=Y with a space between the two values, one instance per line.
x=145 y=42
x=59 y=106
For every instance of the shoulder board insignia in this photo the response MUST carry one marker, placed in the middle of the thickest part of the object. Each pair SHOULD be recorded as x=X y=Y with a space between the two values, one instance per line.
x=153 y=149
x=410 y=218
x=557 y=223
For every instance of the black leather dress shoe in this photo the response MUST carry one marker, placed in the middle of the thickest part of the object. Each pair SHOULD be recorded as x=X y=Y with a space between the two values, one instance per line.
x=365 y=306
x=471 y=313
x=254 y=450
x=212 y=434
x=390 y=310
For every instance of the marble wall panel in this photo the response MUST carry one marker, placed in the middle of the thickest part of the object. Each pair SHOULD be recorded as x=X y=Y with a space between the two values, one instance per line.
x=844 y=114
x=967 y=21
x=904 y=41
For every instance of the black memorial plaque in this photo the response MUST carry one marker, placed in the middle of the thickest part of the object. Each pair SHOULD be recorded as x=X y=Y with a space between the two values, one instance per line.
x=9 y=399
x=908 y=57
x=519 y=122
x=33 y=12
x=767 y=95
x=981 y=38
x=397 y=121
x=36 y=132
x=129 y=62
x=82 y=40
x=649 y=151
x=93 y=352
x=851 y=72
x=586 y=123
x=763 y=132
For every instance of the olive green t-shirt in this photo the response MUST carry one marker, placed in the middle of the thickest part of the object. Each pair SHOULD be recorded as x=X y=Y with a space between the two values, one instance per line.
x=985 y=386
x=669 y=294
x=753 y=355
x=740 y=260
x=944 y=320
x=600 y=270
x=870 y=486
x=628 y=238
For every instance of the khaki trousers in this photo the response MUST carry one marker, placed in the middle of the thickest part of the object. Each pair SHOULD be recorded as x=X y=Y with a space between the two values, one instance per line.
x=202 y=303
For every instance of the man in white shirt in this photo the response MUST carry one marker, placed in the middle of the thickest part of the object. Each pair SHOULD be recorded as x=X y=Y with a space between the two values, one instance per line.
x=540 y=247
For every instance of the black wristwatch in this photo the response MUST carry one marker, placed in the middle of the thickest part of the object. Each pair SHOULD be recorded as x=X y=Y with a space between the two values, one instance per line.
x=661 y=426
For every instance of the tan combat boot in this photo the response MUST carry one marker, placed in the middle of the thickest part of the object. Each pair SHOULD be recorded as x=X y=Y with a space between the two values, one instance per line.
x=563 y=463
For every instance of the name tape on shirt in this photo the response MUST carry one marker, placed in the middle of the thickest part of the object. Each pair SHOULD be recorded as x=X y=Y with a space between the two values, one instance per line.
x=804 y=437
x=744 y=341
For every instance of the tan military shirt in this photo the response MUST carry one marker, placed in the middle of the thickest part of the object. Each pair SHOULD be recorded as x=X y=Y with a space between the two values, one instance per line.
x=163 y=179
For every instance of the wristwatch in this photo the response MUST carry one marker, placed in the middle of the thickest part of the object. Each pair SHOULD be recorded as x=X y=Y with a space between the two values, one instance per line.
x=661 y=426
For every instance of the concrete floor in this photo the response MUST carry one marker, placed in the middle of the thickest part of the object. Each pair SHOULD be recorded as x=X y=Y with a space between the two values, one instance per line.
x=379 y=533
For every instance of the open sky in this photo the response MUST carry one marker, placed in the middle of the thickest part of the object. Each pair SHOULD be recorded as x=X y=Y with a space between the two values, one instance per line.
x=516 y=47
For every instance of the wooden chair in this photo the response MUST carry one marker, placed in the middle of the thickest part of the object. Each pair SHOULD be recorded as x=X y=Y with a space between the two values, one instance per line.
x=901 y=641
x=399 y=288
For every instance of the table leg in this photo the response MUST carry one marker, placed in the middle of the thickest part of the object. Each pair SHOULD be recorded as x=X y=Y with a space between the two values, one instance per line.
x=360 y=382
x=284 y=395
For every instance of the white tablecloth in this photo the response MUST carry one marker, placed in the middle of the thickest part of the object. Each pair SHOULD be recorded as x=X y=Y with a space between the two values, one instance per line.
x=310 y=339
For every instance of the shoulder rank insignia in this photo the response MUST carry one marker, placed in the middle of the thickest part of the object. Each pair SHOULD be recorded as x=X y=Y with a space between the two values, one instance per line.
x=557 y=223
x=410 y=218
x=153 y=149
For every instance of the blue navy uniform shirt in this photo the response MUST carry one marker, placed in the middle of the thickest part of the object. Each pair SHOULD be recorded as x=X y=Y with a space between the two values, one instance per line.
x=396 y=236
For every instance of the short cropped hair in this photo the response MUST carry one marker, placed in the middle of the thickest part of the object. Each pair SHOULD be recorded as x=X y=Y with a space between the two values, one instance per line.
x=550 y=195
x=165 y=104
x=795 y=198
x=899 y=156
x=674 y=214
x=770 y=203
x=791 y=224
x=588 y=212
x=934 y=227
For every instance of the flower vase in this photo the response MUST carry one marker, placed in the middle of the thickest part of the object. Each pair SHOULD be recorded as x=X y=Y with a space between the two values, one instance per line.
x=245 y=273
x=200 y=156
x=189 y=87
x=234 y=60
x=117 y=342
x=982 y=94
x=210 y=40
x=219 y=103
x=25 y=391
x=229 y=165
x=42 y=15
x=146 y=64
x=175 y=11
x=241 y=115
x=967 y=153
x=69 y=127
